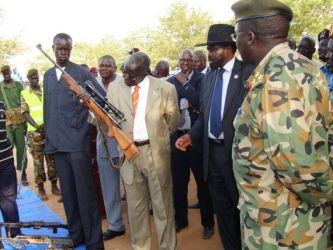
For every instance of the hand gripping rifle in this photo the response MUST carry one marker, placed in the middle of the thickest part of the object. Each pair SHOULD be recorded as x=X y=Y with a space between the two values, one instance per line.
x=99 y=106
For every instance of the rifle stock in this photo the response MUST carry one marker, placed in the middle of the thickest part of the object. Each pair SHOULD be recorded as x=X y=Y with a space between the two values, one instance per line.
x=126 y=145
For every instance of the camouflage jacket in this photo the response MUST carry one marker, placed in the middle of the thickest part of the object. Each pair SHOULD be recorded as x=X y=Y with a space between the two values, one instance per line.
x=280 y=155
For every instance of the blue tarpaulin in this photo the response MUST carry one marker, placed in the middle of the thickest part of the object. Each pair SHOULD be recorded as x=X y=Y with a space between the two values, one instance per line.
x=31 y=208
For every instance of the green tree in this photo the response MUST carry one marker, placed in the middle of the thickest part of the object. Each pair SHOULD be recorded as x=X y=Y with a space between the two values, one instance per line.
x=9 y=47
x=310 y=17
x=180 y=28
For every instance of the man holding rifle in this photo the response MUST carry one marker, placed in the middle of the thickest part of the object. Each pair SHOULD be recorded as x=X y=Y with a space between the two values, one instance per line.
x=68 y=138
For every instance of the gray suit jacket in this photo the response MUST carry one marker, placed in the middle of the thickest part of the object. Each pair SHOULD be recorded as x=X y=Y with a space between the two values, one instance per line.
x=162 y=118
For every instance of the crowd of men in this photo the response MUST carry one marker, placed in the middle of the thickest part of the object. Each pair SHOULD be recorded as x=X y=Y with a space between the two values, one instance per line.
x=256 y=133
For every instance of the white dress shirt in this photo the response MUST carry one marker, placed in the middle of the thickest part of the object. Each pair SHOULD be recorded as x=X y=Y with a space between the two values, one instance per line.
x=226 y=78
x=140 y=129
x=204 y=71
x=59 y=73
x=185 y=118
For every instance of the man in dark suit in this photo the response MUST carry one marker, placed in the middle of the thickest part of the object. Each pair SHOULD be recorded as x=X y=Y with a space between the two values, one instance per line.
x=188 y=84
x=68 y=138
x=221 y=96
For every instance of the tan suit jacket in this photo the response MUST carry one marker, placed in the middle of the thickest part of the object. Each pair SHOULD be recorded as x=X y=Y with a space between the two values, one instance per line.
x=162 y=118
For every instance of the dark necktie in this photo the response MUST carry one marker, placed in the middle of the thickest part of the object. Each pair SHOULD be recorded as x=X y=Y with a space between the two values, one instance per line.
x=215 y=109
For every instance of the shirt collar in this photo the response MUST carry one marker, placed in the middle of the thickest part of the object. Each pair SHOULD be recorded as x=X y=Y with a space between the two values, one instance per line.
x=190 y=75
x=143 y=84
x=229 y=65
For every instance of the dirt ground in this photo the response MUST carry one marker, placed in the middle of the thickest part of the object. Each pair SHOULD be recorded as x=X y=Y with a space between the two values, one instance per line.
x=188 y=239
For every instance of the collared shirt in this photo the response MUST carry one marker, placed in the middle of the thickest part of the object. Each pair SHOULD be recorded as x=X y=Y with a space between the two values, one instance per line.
x=59 y=73
x=109 y=144
x=329 y=77
x=100 y=81
x=204 y=71
x=13 y=94
x=140 y=129
x=226 y=78
x=184 y=105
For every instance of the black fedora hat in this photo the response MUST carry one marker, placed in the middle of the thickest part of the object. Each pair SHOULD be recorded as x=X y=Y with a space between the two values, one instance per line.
x=219 y=33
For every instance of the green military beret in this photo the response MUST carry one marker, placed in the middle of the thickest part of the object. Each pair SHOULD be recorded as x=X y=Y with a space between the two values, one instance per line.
x=32 y=72
x=5 y=68
x=252 y=9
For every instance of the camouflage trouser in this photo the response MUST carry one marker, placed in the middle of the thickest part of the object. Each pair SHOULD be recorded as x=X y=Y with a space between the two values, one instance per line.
x=36 y=149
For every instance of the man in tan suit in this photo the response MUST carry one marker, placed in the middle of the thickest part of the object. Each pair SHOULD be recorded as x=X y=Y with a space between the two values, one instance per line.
x=151 y=110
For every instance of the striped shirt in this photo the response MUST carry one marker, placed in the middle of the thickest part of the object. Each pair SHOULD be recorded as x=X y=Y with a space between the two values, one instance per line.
x=6 y=148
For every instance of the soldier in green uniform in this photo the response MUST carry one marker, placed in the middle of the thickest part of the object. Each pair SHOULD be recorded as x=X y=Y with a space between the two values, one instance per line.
x=280 y=150
x=10 y=94
x=32 y=110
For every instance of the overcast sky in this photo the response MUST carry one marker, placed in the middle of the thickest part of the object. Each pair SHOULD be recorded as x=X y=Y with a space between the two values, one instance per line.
x=37 y=21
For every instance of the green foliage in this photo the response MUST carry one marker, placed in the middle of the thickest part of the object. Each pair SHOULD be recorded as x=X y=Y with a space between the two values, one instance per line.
x=8 y=48
x=310 y=17
x=41 y=63
x=182 y=27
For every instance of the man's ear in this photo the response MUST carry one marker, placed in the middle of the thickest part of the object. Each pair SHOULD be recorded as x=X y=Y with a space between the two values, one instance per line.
x=53 y=47
x=250 y=38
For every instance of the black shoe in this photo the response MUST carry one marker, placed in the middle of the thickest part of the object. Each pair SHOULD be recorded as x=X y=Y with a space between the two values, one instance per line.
x=180 y=227
x=109 y=234
x=1 y=245
x=207 y=233
x=97 y=246
x=194 y=206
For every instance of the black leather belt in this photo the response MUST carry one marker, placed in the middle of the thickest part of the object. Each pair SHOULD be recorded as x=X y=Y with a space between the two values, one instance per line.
x=217 y=141
x=141 y=143
x=183 y=131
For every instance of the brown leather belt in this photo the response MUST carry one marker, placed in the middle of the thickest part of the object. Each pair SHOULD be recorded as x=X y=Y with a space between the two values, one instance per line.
x=141 y=143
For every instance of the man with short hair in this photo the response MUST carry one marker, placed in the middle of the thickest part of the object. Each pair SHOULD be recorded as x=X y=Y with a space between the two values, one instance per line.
x=322 y=44
x=108 y=157
x=221 y=95
x=280 y=150
x=68 y=138
x=291 y=43
x=200 y=61
x=307 y=47
x=93 y=70
x=32 y=110
x=10 y=94
x=162 y=69
x=151 y=112
x=326 y=56
x=188 y=84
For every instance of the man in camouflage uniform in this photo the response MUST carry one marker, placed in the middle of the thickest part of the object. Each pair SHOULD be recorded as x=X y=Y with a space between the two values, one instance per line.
x=280 y=151
x=32 y=109
x=10 y=92
x=329 y=78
